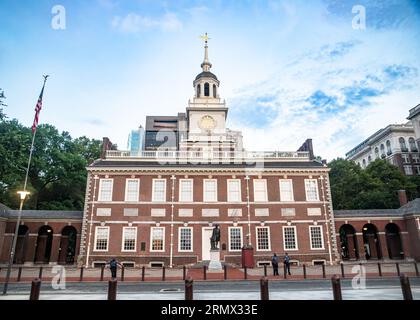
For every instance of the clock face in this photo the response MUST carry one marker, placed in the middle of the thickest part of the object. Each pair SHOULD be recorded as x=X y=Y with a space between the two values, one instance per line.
x=207 y=123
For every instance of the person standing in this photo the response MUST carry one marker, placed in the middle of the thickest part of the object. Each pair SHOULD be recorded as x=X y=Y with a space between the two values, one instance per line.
x=287 y=264
x=275 y=263
x=113 y=265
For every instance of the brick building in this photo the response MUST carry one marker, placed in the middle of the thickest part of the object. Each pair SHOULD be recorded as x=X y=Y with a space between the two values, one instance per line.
x=158 y=206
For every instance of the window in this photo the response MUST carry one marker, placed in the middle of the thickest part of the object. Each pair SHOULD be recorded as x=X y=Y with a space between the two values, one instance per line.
x=286 y=190
x=235 y=238
x=288 y=211
x=406 y=158
x=101 y=238
x=415 y=158
x=186 y=190
x=131 y=212
x=234 y=212
x=363 y=163
x=210 y=190
x=103 y=212
x=158 y=212
x=408 y=170
x=260 y=190
x=289 y=238
x=234 y=190
x=157 y=239
x=317 y=241
x=129 y=238
x=132 y=190
x=185 y=239
x=105 y=190
x=261 y=212
x=159 y=190
x=417 y=170
x=388 y=147
x=185 y=212
x=263 y=239
x=369 y=159
x=376 y=153
x=314 y=211
x=214 y=91
x=198 y=91
x=382 y=150
x=210 y=212
x=206 y=89
x=412 y=143
x=403 y=146
x=311 y=189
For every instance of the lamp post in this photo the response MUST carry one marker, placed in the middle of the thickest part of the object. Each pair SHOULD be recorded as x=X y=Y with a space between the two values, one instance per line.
x=22 y=195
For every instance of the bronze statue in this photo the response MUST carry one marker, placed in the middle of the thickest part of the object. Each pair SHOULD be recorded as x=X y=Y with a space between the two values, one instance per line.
x=215 y=238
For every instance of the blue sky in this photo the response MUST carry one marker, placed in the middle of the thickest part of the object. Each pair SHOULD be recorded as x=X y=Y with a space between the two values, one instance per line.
x=289 y=70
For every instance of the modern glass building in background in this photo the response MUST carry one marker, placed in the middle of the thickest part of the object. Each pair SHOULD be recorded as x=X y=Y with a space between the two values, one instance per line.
x=136 y=140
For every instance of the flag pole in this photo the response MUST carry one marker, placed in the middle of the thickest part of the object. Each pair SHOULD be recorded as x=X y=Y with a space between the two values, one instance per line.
x=23 y=195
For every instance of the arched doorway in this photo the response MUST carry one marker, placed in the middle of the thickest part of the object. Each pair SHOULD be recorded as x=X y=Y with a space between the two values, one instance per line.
x=67 y=249
x=43 y=245
x=348 y=242
x=393 y=241
x=20 y=250
x=371 y=242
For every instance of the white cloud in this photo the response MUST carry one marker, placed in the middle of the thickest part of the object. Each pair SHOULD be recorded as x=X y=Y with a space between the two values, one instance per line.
x=134 y=23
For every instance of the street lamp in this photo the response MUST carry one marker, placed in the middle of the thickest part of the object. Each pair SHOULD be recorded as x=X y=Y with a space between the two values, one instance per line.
x=22 y=195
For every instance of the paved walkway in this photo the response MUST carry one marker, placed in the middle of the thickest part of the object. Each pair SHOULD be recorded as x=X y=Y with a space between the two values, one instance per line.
x=176 y=274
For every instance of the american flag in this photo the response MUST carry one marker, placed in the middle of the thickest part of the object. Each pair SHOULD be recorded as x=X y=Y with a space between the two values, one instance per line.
x=38 y=107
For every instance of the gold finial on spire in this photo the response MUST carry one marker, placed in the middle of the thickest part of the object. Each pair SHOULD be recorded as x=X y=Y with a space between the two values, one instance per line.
x=205 y=38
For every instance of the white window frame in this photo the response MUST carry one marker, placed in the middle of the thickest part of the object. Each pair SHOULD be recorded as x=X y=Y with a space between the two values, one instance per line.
x=306 y=189
x=205 y=198
x=296 y=239
x=229 y=239
x=255 y=181
x=157 y=212
x=153 y=190
x=96 y=239
x=100 y=196
x=408 y=170
x=291 y=187
x=126 y=214
x=268 y=238
x=284 y=214
x=137 y=191
x=229 y=196
x=322 y=237
x=191 y=239
x=262 y=212
x=123 y=240
x=191 y=197
x=151 y=239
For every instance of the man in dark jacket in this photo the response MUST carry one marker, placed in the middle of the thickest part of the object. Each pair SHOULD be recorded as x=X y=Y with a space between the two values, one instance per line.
x=287 y=264
x=275 y=263
x=113 y=265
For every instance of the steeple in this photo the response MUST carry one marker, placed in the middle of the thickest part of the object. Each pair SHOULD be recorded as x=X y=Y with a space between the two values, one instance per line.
x=206 y=65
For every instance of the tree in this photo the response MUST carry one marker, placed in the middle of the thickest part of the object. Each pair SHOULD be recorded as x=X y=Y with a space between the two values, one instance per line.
x=372 y=188
x=57 y=175
x=2 y=104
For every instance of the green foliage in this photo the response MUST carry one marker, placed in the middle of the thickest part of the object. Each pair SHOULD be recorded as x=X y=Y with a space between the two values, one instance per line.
x=57 y=175
x=2 y=104
x=375 y=187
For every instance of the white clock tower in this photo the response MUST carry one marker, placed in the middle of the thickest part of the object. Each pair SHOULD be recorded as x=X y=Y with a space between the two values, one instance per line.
x=206 y=114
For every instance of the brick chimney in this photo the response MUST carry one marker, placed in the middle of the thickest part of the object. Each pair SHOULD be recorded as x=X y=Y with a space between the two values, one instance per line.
x=402 y=196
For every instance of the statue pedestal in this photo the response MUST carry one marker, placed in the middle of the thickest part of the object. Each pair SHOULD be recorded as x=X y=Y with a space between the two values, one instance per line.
x=215 y=263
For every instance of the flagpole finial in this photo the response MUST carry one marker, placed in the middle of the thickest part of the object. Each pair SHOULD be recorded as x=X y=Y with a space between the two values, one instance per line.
x=46 y=76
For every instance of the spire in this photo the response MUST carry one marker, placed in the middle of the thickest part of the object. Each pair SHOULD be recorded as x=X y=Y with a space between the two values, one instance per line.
x=206 y=65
